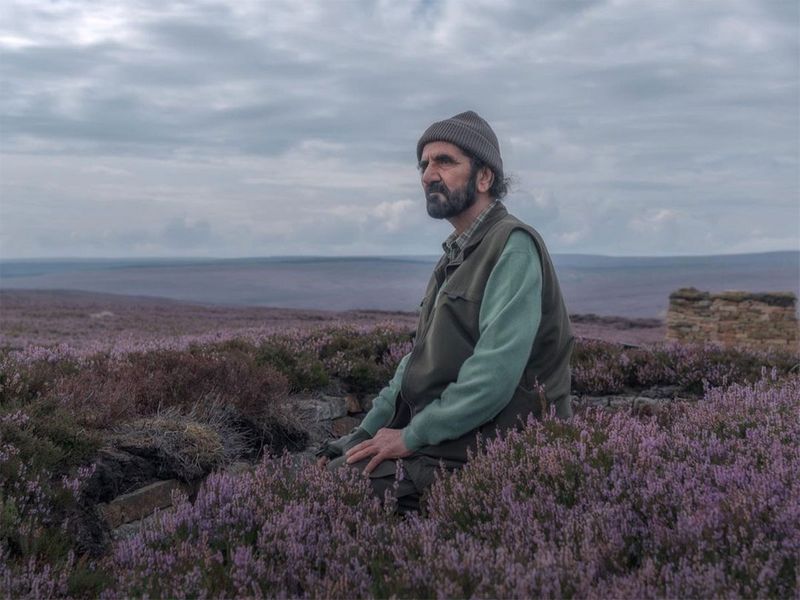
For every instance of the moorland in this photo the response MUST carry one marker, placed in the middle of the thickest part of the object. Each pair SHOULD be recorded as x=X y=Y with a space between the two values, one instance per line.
x=693 y=495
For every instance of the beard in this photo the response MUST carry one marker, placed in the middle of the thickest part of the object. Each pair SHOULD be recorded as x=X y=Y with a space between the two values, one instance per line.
x=443 y=203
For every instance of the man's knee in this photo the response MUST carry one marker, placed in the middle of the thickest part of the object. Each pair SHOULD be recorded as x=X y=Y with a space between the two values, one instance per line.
x=404 y=490
x=337 y=463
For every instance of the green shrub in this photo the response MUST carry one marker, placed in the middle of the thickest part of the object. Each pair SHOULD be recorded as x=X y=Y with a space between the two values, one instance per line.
x=46 y=436
x=363 y=361
x=303 y=370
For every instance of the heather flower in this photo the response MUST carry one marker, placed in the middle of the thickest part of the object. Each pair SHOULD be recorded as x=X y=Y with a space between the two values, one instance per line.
x=698 y=500
x=35 y=579
x=76 y=482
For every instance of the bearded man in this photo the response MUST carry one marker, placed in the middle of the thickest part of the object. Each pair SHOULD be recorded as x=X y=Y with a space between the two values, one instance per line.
x=493 y=342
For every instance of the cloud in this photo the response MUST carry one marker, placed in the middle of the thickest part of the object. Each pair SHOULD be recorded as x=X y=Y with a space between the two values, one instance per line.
x=104 y=170
x=654 y=221
x=393 y=215
x=632 y=127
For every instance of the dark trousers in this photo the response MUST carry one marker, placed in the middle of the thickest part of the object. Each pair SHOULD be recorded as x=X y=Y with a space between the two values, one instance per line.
x=419 y=472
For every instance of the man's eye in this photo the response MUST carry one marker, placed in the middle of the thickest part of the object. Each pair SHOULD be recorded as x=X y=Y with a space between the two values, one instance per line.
x=422 y=166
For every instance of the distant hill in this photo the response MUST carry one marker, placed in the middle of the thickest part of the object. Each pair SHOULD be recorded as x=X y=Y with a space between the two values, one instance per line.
x=604 y=285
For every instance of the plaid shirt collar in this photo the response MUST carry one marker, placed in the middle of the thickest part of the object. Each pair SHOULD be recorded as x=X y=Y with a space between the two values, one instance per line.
x=454 y=244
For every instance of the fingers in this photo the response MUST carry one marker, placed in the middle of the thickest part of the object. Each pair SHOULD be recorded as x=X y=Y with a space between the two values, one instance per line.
x=378 y=456
x=358 y=448
x=378 y=447
x=381 y=447
x=363 y=450
x=371 y=465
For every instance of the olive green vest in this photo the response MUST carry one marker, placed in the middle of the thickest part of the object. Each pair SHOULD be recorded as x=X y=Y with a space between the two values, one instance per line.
x=448 y=331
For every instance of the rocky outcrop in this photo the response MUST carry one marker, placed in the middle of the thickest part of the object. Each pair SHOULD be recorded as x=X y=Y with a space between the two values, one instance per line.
x=766 y=321
x=325 y=416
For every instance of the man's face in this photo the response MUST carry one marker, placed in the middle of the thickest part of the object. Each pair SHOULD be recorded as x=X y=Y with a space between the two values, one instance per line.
x=447 y=179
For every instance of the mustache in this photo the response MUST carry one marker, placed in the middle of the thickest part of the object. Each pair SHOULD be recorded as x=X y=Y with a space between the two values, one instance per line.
x=438 y=187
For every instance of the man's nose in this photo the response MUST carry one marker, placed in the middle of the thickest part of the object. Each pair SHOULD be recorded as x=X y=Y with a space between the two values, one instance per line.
x=429 y=175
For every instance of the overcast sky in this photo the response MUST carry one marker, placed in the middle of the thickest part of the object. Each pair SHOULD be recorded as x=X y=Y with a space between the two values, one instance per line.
x=284 y=128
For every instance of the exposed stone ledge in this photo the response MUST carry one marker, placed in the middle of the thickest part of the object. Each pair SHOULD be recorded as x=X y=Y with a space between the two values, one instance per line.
x=140 y=503
x=770 y=298
x=323 y=408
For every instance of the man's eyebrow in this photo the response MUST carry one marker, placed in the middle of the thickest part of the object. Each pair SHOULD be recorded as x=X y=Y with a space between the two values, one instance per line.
x=443 y=157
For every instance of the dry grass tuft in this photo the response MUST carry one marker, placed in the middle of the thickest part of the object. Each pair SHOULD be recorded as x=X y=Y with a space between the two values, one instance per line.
x=187 y=445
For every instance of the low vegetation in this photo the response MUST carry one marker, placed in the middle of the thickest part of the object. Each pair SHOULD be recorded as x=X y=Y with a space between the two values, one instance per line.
x=698 y=498
x=602 y=368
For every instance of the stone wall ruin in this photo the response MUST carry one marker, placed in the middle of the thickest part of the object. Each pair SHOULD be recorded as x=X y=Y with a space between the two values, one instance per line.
x=757 y=321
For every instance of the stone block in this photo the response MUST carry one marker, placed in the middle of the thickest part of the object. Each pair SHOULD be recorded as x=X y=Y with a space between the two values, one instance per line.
x=326 y=408
x=784 y=317
x=343 y=425
x=659 y=391
x=353 y=404
x=612 y=401
x=645 y=406
x=318 y=431
x=128 y=530
x=239 y=467
x=140 y=503
x=687 y=294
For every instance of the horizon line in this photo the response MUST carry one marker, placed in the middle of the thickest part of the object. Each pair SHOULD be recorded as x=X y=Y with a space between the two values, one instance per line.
x=349 y=256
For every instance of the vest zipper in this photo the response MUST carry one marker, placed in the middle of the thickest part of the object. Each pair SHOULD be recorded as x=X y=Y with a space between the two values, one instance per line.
x=402 y=381
x=418 y=343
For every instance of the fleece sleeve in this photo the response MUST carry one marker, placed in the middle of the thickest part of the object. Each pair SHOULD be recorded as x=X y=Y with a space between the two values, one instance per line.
x=508 y=321
x=383 y=405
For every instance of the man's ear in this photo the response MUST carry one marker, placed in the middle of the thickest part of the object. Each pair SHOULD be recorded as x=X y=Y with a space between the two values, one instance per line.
x=485 y=179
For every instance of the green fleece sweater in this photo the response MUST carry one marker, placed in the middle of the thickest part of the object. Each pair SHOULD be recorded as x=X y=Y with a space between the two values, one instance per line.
x=509 y=319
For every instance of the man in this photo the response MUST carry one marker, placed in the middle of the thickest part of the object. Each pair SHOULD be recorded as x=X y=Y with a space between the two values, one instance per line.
x=493 y=341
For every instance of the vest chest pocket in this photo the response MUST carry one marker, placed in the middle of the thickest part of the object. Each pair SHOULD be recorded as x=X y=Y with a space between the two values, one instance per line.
x=426 y=301
x=461 y=293
x=461 y=310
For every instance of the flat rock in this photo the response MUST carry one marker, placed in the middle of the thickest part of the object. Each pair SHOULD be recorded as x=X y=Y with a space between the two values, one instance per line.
x=343 y=426
x=117 y=472
x=613 y=401
x=238 y=467
x=140 y=503
x=664 y=391
x=318 y=431
x=127 y=530
x=353 y=405
x=326 y=408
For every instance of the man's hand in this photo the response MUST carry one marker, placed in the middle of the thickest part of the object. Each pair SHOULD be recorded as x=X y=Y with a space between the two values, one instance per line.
x=387 y=444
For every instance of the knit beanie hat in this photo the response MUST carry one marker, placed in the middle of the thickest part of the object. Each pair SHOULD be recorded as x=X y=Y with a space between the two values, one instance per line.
x=469 y=132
